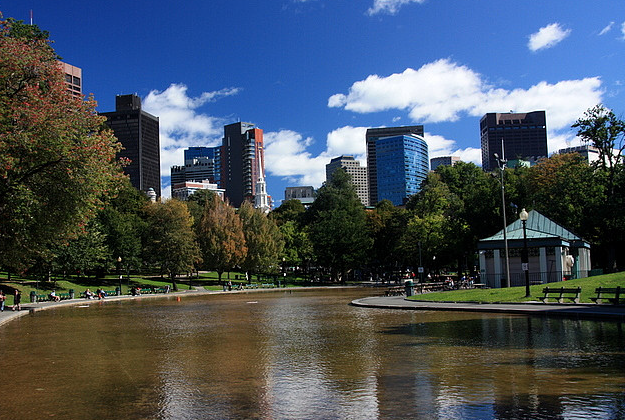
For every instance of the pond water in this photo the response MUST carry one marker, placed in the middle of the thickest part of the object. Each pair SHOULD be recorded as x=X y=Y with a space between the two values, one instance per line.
x=305 y=355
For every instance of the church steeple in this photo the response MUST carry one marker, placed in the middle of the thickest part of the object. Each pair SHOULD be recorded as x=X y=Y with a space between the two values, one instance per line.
x=261 y=200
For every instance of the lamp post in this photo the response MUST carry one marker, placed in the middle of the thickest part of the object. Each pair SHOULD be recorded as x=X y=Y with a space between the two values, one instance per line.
x=525 y=257
x=119 y=275
x=501 y=162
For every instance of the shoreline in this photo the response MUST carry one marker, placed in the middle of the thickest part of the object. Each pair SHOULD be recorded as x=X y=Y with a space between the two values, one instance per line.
x=585 y=311
x=9 y=315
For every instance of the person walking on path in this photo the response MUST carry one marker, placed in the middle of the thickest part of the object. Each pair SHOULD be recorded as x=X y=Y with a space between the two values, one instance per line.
x=17 y=299
x=2 y=299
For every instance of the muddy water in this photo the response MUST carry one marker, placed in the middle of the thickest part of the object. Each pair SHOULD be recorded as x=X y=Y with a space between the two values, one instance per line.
x=305 y=355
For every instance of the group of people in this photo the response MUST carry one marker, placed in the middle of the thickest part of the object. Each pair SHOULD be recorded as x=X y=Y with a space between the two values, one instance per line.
x=17 y=300
x=100 y=294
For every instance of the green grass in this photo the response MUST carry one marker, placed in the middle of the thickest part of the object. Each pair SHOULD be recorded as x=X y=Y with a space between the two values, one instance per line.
x=208 y=280
x=517 y=294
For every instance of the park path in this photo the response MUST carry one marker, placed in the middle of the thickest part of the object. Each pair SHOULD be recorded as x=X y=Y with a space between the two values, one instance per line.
x=591 y=311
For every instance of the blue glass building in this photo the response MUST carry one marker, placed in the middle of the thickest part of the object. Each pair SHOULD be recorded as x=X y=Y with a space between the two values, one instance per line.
x=401 y=163
x=201 y=152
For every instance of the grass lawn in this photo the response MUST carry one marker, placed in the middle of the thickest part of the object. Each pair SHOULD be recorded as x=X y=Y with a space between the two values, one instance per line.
x=517 y=294
x=208 y=280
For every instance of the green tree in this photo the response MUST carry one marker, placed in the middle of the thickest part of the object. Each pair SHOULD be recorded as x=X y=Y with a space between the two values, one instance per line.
x=602 y=129
x=436 y=228
x=170 y=240
x=338 y=228
x=386 y=225
x=289 y=210
x=298 y=249
x=263 y=239
x=57 y=162
x=221 y=237
x=83 y=254
x=565 y=189
x=123 y=223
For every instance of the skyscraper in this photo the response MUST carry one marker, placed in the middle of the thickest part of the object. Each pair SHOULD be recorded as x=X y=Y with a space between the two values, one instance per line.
x=200 y=164
x=242 y=147
x=73 y=78
x=524 y=136
x=397 y=163
x=357 y=172
x=137 y=131
x=443 y=161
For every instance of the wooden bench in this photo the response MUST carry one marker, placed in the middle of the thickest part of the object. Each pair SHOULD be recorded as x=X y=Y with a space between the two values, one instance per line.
x=395 y=291
x=616 y=297
x=561 y=293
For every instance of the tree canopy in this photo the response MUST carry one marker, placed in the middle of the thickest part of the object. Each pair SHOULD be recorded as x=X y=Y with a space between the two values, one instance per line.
x=57 y=161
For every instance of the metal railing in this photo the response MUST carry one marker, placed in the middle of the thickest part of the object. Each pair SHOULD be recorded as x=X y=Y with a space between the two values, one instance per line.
x=518 y=279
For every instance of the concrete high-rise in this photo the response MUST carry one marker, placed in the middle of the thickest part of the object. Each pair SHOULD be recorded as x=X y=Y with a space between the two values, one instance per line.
x=137 y=131
x=397 y=163
x=524 y=136
x=73 y=78
x=357 y=172
x=443 y=161
x=242 y=147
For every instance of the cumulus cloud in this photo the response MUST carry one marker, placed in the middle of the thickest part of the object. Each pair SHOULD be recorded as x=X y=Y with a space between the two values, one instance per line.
x=180 y=123
x=444 y=91
x=389 y=7
x=441 y=146
x=286 y=156
x=607 y=29
x=623 y=31
x=547 y=37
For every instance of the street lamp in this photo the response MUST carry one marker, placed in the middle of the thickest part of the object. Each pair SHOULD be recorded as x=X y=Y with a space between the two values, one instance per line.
x=119 y=275
x=501 y=162
x=525 y=257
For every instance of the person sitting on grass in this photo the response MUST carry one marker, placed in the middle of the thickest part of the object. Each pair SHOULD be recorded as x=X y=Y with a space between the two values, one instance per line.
x=88 y=294
x=101 y=294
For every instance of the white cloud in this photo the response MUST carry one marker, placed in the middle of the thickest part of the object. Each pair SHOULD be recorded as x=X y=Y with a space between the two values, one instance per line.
x=286 y=156
x=441 y=146
x=181 y=125
x=443 y=91
x=623 y=30
x=390 y=7
x=347 y=141
x=547 y=37
x=607 y=29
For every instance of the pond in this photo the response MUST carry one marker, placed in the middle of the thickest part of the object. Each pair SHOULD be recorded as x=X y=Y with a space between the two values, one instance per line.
x=305 y=355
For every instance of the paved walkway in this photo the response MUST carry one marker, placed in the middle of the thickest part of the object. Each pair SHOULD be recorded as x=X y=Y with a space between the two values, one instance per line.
x=592 y=311
x=8 y=315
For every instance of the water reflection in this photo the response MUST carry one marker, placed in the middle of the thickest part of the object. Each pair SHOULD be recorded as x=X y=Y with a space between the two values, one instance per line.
x=307 y=355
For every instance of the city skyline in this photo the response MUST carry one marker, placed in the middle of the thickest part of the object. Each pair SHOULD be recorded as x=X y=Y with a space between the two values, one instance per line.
x=315 y=75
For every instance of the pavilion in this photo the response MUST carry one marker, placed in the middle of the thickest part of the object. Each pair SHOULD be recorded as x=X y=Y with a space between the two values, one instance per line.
x=554 y=253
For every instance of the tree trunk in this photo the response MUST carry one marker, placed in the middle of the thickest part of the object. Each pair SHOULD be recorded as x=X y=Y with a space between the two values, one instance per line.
x=174 y=286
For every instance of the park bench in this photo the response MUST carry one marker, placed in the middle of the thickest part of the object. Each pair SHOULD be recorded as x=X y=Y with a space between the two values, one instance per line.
x=429 y=287
x=561 y=293
x=611 y=294
x=268 y=285
x=251 y=286
x=395 y=291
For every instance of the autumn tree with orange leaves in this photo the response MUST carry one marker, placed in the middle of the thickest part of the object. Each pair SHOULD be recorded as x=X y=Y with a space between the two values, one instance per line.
x=57 y=161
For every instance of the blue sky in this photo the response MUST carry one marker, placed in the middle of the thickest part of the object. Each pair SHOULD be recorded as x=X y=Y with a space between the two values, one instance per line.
x=315 y=74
